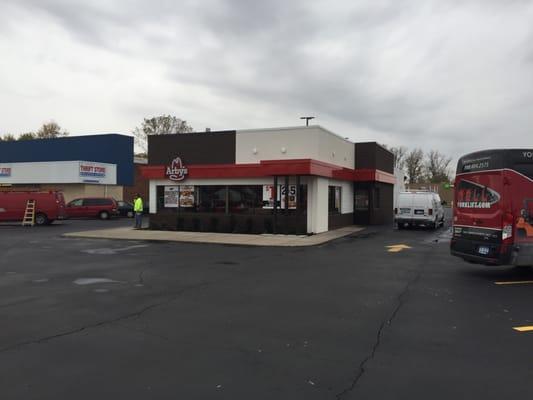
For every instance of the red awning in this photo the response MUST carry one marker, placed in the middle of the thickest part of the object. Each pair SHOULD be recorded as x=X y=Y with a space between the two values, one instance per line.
x=274 y=168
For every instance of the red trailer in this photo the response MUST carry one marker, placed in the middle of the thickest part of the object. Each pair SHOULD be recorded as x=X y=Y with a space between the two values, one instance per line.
x=49 y=206
x=493 y=208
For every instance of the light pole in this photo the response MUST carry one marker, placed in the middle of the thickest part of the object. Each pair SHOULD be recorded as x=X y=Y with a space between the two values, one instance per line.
x=307 y=120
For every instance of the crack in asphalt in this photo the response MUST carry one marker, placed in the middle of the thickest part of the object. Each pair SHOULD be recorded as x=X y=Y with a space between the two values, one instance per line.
x=388 y=322
x=136 y=314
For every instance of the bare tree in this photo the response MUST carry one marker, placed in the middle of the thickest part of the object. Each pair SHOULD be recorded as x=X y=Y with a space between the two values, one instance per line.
x=400 y=153
x=436 y=167
x=27 y=136
x=414 y=165
x=8 y=137
x=161 y=125
x=50 y=130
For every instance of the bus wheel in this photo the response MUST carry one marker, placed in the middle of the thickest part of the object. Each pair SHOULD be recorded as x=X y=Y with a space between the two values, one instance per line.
x=41 y=219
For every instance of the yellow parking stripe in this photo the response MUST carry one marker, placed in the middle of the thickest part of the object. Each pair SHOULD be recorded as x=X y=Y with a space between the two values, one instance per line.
x=523 y=328
x=514 y=283
x=396 y=248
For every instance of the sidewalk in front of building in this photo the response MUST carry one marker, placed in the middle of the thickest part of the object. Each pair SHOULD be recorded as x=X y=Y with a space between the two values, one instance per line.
x=217 y=238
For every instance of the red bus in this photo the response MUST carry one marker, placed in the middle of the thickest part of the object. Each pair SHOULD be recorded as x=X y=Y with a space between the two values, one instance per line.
x=49 y=206
x=493 y=208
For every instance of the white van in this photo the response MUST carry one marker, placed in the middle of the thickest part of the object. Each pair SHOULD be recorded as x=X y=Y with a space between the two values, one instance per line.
x=419 y=208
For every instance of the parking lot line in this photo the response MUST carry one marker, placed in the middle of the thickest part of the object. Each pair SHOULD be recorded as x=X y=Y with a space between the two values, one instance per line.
x=396 y=248
x=513 y=282
x=524 y=328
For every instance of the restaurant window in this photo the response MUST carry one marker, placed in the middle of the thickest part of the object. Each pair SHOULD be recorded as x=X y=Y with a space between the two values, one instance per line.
x=241 y=199
x=211 y=199
x=245 y=199
x=334 y=199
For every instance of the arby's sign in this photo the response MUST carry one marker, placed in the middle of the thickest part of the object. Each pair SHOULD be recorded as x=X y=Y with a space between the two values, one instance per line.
x=176 y=171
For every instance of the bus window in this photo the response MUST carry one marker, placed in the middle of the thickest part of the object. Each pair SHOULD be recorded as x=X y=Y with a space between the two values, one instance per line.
x=524 y=169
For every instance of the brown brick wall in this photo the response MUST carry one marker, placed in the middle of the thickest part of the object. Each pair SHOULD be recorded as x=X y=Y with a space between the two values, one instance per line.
x=140 y=185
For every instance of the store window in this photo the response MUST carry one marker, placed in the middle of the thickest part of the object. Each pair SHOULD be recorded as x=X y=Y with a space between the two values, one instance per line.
x=244 y=199
x=240 y=199
x=211 y=199
x=334 y=199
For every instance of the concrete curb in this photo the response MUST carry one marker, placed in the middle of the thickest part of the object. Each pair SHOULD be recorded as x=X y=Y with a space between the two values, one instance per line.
x=234 y=239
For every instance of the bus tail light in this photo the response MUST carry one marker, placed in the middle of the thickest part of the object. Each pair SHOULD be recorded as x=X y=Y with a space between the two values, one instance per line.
x=507 y=231
x=430 y=211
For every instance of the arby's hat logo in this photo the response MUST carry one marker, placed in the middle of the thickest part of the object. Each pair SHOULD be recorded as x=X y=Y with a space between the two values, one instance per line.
x=176 y=171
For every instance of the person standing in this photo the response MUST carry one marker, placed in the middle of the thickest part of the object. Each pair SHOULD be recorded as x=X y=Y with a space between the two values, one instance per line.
x=138 y=210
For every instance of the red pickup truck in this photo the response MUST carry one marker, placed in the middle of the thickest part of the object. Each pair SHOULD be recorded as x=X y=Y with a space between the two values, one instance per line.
x=49 y=206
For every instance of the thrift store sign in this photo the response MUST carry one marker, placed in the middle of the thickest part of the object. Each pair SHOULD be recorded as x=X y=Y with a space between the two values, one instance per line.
x=5 y=172
x=94 y=171
x=176 y=171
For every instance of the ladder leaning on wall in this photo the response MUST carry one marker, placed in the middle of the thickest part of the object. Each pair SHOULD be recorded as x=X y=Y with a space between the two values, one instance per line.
x=29 y=214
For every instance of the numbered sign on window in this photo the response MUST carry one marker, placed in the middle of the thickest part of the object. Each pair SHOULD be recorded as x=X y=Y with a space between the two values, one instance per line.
x=268 y=196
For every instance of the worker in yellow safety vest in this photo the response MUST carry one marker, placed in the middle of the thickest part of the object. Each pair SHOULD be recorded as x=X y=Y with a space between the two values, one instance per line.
x=138 y=210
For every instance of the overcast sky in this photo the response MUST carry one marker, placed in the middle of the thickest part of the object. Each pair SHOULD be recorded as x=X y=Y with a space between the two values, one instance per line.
x=453 y=75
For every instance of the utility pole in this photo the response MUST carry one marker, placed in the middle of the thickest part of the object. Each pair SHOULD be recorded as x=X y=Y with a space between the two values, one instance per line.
x=307 y=120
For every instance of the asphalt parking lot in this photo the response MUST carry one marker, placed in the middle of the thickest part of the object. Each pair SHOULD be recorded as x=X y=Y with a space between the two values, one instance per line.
x=384 y=314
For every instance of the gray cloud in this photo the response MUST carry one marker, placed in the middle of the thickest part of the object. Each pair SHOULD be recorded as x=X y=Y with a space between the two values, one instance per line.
x=432 y=74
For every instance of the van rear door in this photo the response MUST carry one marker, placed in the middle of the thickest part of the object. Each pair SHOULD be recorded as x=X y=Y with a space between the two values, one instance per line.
x=421 y=203
x=405 y=205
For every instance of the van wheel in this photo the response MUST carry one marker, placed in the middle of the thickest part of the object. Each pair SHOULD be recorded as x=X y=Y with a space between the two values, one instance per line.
x=104 y=215
x=433 y=225
x=401 y=226
x=41 y=219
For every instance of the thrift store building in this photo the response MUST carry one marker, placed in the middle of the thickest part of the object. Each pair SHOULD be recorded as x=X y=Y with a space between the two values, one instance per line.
x=300 y=180
x=78 y=166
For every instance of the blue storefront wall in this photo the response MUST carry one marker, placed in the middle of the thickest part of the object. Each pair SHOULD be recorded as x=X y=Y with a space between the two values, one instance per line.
x=108 y=148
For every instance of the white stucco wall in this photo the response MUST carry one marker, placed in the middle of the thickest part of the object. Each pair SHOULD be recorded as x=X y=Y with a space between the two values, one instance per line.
x=313 y=142
x=317 y=205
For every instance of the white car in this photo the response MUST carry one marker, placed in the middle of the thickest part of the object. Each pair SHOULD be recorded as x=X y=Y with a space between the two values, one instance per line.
x=419 y=208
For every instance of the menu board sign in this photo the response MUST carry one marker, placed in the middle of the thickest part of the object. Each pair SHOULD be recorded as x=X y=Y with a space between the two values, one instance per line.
x=182 y=193
x=186 y=196
x=171 y=196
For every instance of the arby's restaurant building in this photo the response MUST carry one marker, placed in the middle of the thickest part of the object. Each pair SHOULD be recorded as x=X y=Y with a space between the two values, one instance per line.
x=296 y=180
